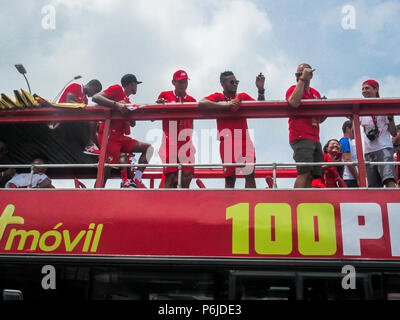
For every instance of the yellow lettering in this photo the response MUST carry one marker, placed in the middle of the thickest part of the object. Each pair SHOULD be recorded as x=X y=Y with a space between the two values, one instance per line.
x=23 y=235
x=7 y=218
x=88 y=238
x=316 y=229
x=57 y=239
x=273 y=228
x=67 y=240
x=239 y=214
x=96 y=239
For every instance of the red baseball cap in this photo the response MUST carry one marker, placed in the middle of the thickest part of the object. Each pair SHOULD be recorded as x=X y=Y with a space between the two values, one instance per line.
x=180 y=75
x=373 y=83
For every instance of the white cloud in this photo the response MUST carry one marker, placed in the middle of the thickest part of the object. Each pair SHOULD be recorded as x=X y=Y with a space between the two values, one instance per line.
x=389 y=87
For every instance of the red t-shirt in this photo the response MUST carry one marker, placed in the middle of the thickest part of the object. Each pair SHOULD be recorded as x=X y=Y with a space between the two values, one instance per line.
x=330 y=177
x=118 y=127
x=234 y=123
x=170 y=96
x=302 y=127
x=77 y=90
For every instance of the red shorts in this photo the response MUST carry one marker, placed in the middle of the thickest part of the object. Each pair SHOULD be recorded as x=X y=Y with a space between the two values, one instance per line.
x=117 y=144
x=235 y=151
x=177 y=156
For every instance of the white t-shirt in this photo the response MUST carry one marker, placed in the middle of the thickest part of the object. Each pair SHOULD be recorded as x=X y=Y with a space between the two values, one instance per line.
x=384 y=140
x=22 y=180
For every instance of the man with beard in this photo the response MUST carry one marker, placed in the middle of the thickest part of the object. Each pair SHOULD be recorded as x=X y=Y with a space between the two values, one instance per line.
x=235 y=143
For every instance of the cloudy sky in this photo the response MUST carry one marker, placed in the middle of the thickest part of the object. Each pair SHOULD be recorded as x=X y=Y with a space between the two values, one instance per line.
x=346 y=41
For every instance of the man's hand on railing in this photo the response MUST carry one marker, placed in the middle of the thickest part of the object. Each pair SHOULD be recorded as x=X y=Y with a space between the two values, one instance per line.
x=234 y=104
x=161 y=101
x=122 y=107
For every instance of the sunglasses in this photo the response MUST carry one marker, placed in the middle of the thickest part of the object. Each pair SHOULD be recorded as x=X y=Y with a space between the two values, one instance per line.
x=232 y=82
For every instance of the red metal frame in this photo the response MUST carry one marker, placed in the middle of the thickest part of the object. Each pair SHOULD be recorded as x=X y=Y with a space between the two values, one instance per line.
x=267 y=109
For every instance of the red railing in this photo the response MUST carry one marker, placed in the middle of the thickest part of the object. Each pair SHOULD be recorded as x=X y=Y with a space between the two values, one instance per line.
x=268 y=109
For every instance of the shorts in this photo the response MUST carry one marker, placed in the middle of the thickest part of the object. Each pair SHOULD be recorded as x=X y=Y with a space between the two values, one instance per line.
x=175 y=156
x=377 y=175
x=235 y=151
x=117 y=144
x=306 y=150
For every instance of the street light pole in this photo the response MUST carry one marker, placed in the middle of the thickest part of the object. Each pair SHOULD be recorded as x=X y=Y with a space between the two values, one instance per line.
x=22 y=71
x=61 y=91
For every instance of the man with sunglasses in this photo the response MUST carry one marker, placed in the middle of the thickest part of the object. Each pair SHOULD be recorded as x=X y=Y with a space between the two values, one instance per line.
x=378 y=144
x=304 y=131
x=177 y=144
x=235 y=143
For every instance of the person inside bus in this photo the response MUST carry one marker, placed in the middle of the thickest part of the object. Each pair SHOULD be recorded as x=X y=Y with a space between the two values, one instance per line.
x=39 y=178
x=235 y=142
x=5 y=173
x=304 y=130
x=378 y=146
x=116 y=97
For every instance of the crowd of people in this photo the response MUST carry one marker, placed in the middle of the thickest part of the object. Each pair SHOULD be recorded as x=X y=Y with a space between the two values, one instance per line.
x=381 y=136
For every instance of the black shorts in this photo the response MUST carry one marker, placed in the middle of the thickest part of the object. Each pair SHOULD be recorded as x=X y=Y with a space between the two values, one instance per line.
x=306 y=150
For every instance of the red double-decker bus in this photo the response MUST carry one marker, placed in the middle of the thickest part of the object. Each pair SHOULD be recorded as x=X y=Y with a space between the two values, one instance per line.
x=203 y=243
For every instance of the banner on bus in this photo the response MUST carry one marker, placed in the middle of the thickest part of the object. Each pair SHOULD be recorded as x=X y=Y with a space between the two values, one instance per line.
x=329 y=224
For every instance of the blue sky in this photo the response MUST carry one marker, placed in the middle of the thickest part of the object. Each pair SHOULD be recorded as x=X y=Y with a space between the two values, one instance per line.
x=105 y=39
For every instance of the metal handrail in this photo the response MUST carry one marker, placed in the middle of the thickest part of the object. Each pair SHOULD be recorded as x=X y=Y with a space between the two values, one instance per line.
x=180 y=166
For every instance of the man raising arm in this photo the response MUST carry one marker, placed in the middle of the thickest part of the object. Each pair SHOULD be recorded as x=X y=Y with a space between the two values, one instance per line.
x=235 y=143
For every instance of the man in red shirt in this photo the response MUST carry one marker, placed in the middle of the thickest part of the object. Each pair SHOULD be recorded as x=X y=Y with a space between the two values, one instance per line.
x=235 y=143
x=304 y=131
x=79 y=93
x=177 y=144
x=116 y=97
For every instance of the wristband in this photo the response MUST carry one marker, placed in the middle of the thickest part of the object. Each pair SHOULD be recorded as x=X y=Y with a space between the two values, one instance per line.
x=262 y=91
x=301 y=79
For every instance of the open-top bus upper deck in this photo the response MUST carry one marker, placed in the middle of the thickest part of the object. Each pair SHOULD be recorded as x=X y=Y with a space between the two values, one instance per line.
x=222 y=241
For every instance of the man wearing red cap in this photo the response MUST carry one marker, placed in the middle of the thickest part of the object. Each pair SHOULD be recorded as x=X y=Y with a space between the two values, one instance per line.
x=304 y=131
x=116 y=97
x=177 y=144
x=378 y=145
x=235 y=142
